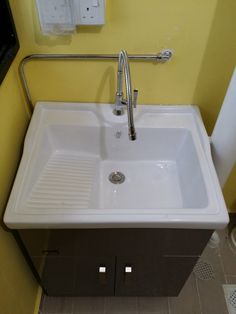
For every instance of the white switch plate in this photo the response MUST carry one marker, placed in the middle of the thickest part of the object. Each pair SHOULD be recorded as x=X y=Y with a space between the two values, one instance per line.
x=55 y=11
x=56 y=14
x=90 y=12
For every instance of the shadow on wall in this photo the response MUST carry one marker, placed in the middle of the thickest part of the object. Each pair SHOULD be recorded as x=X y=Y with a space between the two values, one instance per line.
x=218 y=63
x=108 y=76
x=230 y=191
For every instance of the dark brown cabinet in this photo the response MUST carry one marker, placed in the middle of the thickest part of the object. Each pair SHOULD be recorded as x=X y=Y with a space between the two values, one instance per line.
x=59 y=275
x=106 y=262
x=175 y=272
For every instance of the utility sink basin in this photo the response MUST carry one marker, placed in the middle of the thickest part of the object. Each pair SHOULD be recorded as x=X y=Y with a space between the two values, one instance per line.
x=80 y=170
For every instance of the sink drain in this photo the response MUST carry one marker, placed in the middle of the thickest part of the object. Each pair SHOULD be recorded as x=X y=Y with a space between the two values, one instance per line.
x=117 y=177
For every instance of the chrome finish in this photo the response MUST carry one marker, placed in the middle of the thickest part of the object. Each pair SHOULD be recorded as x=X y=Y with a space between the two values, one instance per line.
x=132 y=133
x=166 y=55
x=161 y=57
x=116 y=177
x=119 y=111
x=135 y=98
x=123 y=65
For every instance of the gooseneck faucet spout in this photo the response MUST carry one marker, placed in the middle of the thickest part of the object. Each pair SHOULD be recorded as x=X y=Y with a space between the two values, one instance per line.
x=130 y=101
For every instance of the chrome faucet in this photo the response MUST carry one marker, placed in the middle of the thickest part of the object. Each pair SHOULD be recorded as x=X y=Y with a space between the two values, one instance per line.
x=131 y=97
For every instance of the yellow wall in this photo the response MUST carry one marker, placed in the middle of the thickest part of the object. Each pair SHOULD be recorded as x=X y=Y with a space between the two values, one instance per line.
x=136 y=27
x=17 y=286
x=204 y=58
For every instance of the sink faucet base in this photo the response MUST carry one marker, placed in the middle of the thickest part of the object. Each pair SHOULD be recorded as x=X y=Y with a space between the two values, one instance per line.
x=119 y=111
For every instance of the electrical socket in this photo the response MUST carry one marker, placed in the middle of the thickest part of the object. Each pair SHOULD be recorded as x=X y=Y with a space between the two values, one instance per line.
x=91 y=12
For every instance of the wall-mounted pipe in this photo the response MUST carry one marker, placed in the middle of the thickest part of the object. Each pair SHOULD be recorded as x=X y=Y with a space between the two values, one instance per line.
x=161 y=57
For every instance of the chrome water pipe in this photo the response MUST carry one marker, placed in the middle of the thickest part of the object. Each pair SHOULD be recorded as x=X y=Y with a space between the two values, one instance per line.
x=129 y=102
x=160 y=57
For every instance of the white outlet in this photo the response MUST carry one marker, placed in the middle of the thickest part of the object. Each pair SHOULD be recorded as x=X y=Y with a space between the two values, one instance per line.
x=90 y=12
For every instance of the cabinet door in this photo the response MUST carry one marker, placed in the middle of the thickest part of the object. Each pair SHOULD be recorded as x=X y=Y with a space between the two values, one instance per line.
x=138 y=276
x=95 y=276
x=79 y=276
x=152 y=275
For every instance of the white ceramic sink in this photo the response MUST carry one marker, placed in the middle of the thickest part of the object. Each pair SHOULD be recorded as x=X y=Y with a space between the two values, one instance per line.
x=71 y=149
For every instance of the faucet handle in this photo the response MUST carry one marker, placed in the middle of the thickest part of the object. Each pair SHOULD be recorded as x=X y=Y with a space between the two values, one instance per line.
x=135 y=98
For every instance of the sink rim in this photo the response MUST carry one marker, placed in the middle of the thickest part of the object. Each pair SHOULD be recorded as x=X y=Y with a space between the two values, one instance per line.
x=205 y=218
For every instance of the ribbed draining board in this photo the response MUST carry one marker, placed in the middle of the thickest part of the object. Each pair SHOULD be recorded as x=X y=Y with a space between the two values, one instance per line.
x=65 y=182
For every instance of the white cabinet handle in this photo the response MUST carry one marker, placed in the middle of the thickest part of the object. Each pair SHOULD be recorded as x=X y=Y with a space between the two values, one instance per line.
x=102 y=269
x=102 y=274
x=128 y=275
x=128 y=269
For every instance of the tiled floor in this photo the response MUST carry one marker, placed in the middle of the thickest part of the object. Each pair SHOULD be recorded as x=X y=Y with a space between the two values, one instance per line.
x=197 y=297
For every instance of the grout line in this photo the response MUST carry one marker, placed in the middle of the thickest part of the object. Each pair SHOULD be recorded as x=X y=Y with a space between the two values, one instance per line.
x=220 y=257
x=231 y=247
x=136 y=304
x=41 y=304
x=72 y=305
x=198 y=294
x=228 y=246
x=169 y=308
x=223 y=268
x=104 y=303
x=226 y=280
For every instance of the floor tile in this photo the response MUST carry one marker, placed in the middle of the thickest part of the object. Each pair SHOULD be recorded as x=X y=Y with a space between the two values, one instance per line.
x=188 y=299
x=231 y=280
x=87 y=305
x=152 y=305
x=121 y=305
x=210 y=291
x=56 y=305
x=228 y=254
